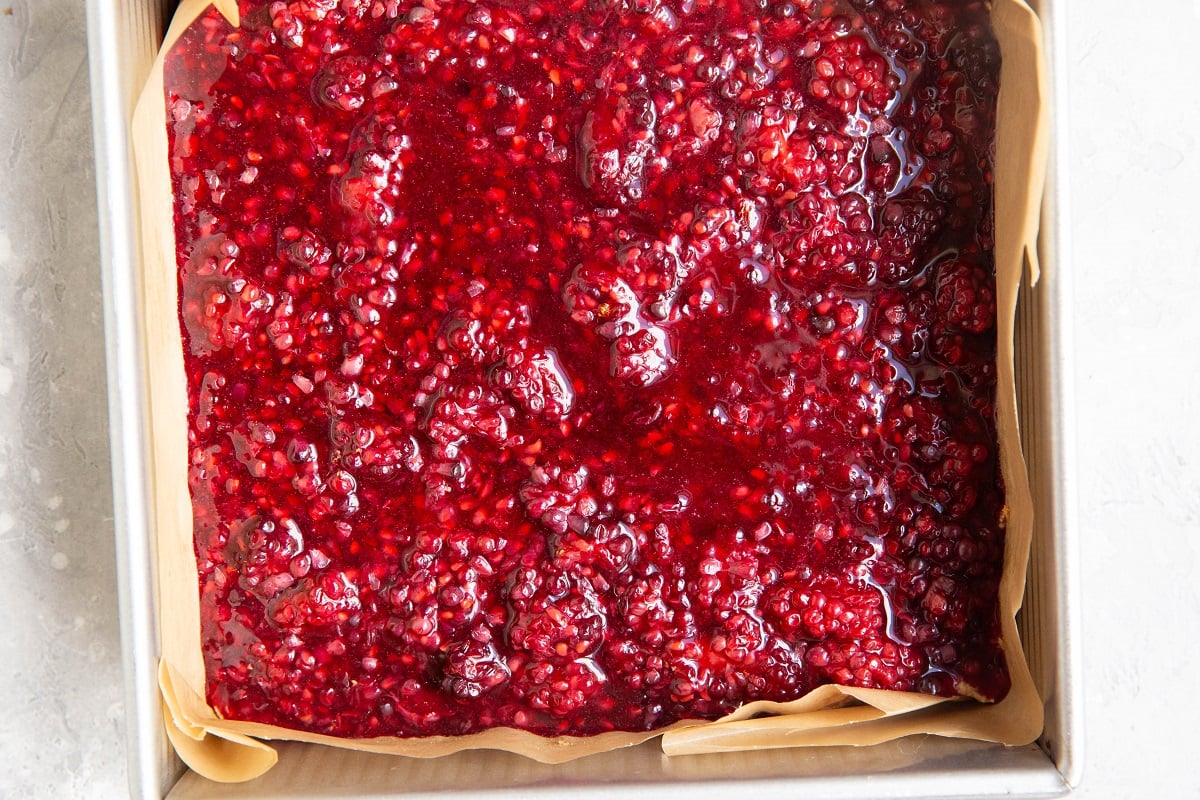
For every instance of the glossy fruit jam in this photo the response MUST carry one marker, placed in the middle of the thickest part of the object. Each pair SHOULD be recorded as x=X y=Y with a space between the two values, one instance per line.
x=579 y=365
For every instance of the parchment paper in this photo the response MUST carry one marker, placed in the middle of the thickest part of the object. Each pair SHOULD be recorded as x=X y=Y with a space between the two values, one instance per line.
x=230 y=751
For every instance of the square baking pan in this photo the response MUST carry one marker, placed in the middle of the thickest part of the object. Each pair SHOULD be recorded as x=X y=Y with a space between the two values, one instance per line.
x=123 y=38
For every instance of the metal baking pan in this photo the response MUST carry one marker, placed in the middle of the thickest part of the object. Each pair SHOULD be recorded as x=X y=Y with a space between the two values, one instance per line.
x=123 y=38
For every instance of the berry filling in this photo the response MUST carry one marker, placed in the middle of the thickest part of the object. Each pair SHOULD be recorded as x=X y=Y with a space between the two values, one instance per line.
x=587 y=365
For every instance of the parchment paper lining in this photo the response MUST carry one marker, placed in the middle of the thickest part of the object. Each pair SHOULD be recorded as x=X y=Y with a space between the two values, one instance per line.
x=231 y=751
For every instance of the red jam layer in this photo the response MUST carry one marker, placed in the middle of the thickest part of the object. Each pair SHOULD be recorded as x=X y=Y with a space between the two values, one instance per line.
x=586 y=366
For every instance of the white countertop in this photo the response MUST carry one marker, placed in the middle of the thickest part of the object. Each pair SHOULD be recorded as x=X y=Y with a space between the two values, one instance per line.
x=1135 y=166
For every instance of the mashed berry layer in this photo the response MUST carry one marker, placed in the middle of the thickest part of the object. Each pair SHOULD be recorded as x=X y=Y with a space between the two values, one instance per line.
x=587 y=365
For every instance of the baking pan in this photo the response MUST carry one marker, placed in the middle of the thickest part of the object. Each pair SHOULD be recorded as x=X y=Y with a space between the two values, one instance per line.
x=123 y=37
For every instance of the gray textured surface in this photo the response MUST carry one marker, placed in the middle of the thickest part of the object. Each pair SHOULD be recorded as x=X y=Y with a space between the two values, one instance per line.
x=1135 y=166
x=60 y=679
